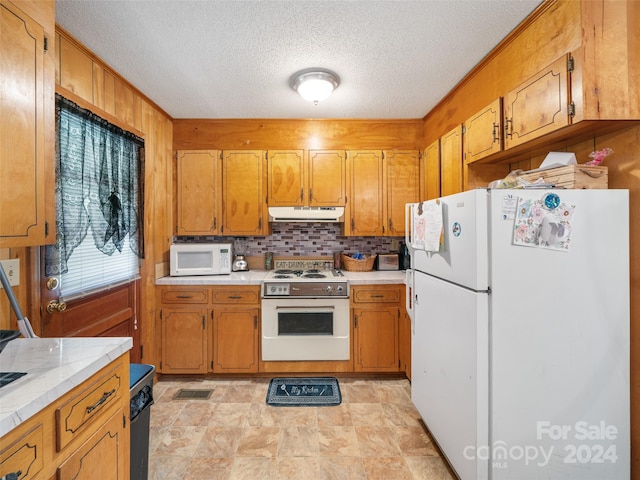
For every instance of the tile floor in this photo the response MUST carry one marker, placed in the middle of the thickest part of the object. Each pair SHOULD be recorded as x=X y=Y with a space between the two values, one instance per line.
x=374 y=434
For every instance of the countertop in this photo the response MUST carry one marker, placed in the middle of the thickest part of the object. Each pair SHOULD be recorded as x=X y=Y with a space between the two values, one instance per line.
x=54 y=366
x=255 y=277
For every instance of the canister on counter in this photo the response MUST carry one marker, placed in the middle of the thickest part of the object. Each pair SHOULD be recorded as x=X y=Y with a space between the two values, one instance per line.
x=268 y=261
x=337 y=260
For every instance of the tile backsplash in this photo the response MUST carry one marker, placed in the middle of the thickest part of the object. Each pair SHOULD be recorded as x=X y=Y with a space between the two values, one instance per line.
x=308 y=239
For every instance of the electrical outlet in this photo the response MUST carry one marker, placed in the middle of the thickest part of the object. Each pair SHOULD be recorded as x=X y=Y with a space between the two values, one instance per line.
x=12 y=270
x=395 y=245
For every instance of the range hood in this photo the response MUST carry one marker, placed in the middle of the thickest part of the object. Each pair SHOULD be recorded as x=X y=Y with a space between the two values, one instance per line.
x=306 y=214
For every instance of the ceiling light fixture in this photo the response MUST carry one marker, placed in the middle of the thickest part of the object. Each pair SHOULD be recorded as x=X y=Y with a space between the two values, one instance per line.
x=314 y=84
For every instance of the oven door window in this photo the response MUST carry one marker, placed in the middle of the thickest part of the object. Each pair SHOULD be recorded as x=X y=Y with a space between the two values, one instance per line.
x=305 y=323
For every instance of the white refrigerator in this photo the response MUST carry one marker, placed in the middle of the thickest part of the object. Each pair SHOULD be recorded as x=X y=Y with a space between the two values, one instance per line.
x=519 y=302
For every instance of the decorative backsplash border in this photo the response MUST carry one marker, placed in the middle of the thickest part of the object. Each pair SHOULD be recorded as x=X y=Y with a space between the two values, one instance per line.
x=307 y=239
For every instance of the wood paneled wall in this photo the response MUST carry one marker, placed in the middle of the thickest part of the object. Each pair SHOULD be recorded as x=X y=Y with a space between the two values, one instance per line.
x=195 y=134
x=83 y=78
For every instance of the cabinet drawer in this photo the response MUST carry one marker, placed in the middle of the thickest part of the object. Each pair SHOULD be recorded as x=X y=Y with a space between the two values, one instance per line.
x=191 y=295
x=231 y=295
x=388 y=294
x=24 y=456
x=74 y=416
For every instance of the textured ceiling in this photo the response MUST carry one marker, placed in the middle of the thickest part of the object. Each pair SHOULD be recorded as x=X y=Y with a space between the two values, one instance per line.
x=233 y=58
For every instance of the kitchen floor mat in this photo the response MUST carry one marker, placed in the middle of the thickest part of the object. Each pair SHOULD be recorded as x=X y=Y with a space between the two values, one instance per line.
x=304 y=391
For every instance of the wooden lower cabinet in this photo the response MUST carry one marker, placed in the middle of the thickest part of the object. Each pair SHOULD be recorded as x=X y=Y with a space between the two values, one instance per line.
x=235 y=340
x=375 y=312
x=216 y=329
x=75 y=437
x=101 y=456
x=184 y=340
x=209 y=329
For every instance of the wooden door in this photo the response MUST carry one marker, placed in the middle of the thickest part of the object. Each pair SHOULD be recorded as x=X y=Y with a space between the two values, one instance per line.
x=366 y=193
x=537 y=106
x=483 y=132
x=376 y=339
x=451 y=162
x=198 y=192
x=23 y=170
x=244 y=190
x=184 y=340
x=235 y=339
x=327 y=178
x=431 y=172
x=402 y=174
x=286 y=177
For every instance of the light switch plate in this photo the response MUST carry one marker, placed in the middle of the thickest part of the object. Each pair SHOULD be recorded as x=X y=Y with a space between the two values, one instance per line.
x=12 y=270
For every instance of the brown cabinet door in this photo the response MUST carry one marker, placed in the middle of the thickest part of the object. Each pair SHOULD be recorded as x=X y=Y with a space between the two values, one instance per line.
x=244 y=189
x=367 y=185
x=23 y=173
x=104 y=456
x=286 y=178
x=402 y=174
x=376 y=339
x=198 y=192
x=430 y=187
x=537 y=106
x=327 y=178
x=451 y=162
x=184 y=340
x=235 y=340
x=483 y=132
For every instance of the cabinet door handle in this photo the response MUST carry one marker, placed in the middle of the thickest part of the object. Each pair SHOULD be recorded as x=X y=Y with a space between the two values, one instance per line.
x=235 y=297
x=377 y=296
x=508 y=121
x=495 y=133
x=104 y=398
x=184 y=296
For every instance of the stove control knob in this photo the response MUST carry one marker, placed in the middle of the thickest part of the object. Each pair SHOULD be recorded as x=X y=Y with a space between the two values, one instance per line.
x=339 y=288
x=329 y=288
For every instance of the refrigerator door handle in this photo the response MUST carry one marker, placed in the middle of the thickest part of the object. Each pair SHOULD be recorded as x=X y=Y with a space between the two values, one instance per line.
x=408 y=225
x=410 y=298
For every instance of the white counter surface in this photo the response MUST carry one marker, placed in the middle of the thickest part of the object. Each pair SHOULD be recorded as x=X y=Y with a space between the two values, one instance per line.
x=53 y=366
x=255 y=277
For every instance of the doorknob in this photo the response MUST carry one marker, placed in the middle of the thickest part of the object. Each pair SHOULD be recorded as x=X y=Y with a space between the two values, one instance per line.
x=56 y=306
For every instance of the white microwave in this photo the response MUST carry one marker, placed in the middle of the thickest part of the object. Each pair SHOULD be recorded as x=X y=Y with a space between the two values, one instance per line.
x=200 y=259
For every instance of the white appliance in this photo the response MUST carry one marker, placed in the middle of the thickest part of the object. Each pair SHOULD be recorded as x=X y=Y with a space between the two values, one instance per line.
x=200 y=259
x=305 y=315
x=520 y=352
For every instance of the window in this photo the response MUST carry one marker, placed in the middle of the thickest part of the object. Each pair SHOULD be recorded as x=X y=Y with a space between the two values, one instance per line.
x=99 y=202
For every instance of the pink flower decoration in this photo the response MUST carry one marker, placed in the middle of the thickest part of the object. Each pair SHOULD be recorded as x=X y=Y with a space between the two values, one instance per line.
x=599 y=156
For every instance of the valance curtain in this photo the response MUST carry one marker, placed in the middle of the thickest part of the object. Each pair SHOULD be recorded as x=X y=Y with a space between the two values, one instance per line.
x=99 y=186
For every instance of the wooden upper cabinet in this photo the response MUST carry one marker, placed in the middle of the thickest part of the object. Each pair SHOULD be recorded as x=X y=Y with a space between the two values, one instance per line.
x=402 y=173
x=244 y=191
x=538 y=106
x=26 y=169
x=198 y=192
x=286 y=182
x=327 y=178
x=451 y=162
x=430 y=168
x=483 y=132
x=366 y=214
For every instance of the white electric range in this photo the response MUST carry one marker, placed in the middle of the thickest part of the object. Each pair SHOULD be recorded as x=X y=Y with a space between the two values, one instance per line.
x=305 y=314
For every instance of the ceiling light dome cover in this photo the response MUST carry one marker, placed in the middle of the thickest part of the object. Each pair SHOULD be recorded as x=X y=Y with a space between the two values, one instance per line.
x=314 y=84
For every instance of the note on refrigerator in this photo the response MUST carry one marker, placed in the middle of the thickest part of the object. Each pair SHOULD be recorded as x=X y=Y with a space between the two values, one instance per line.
x=433 y=227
